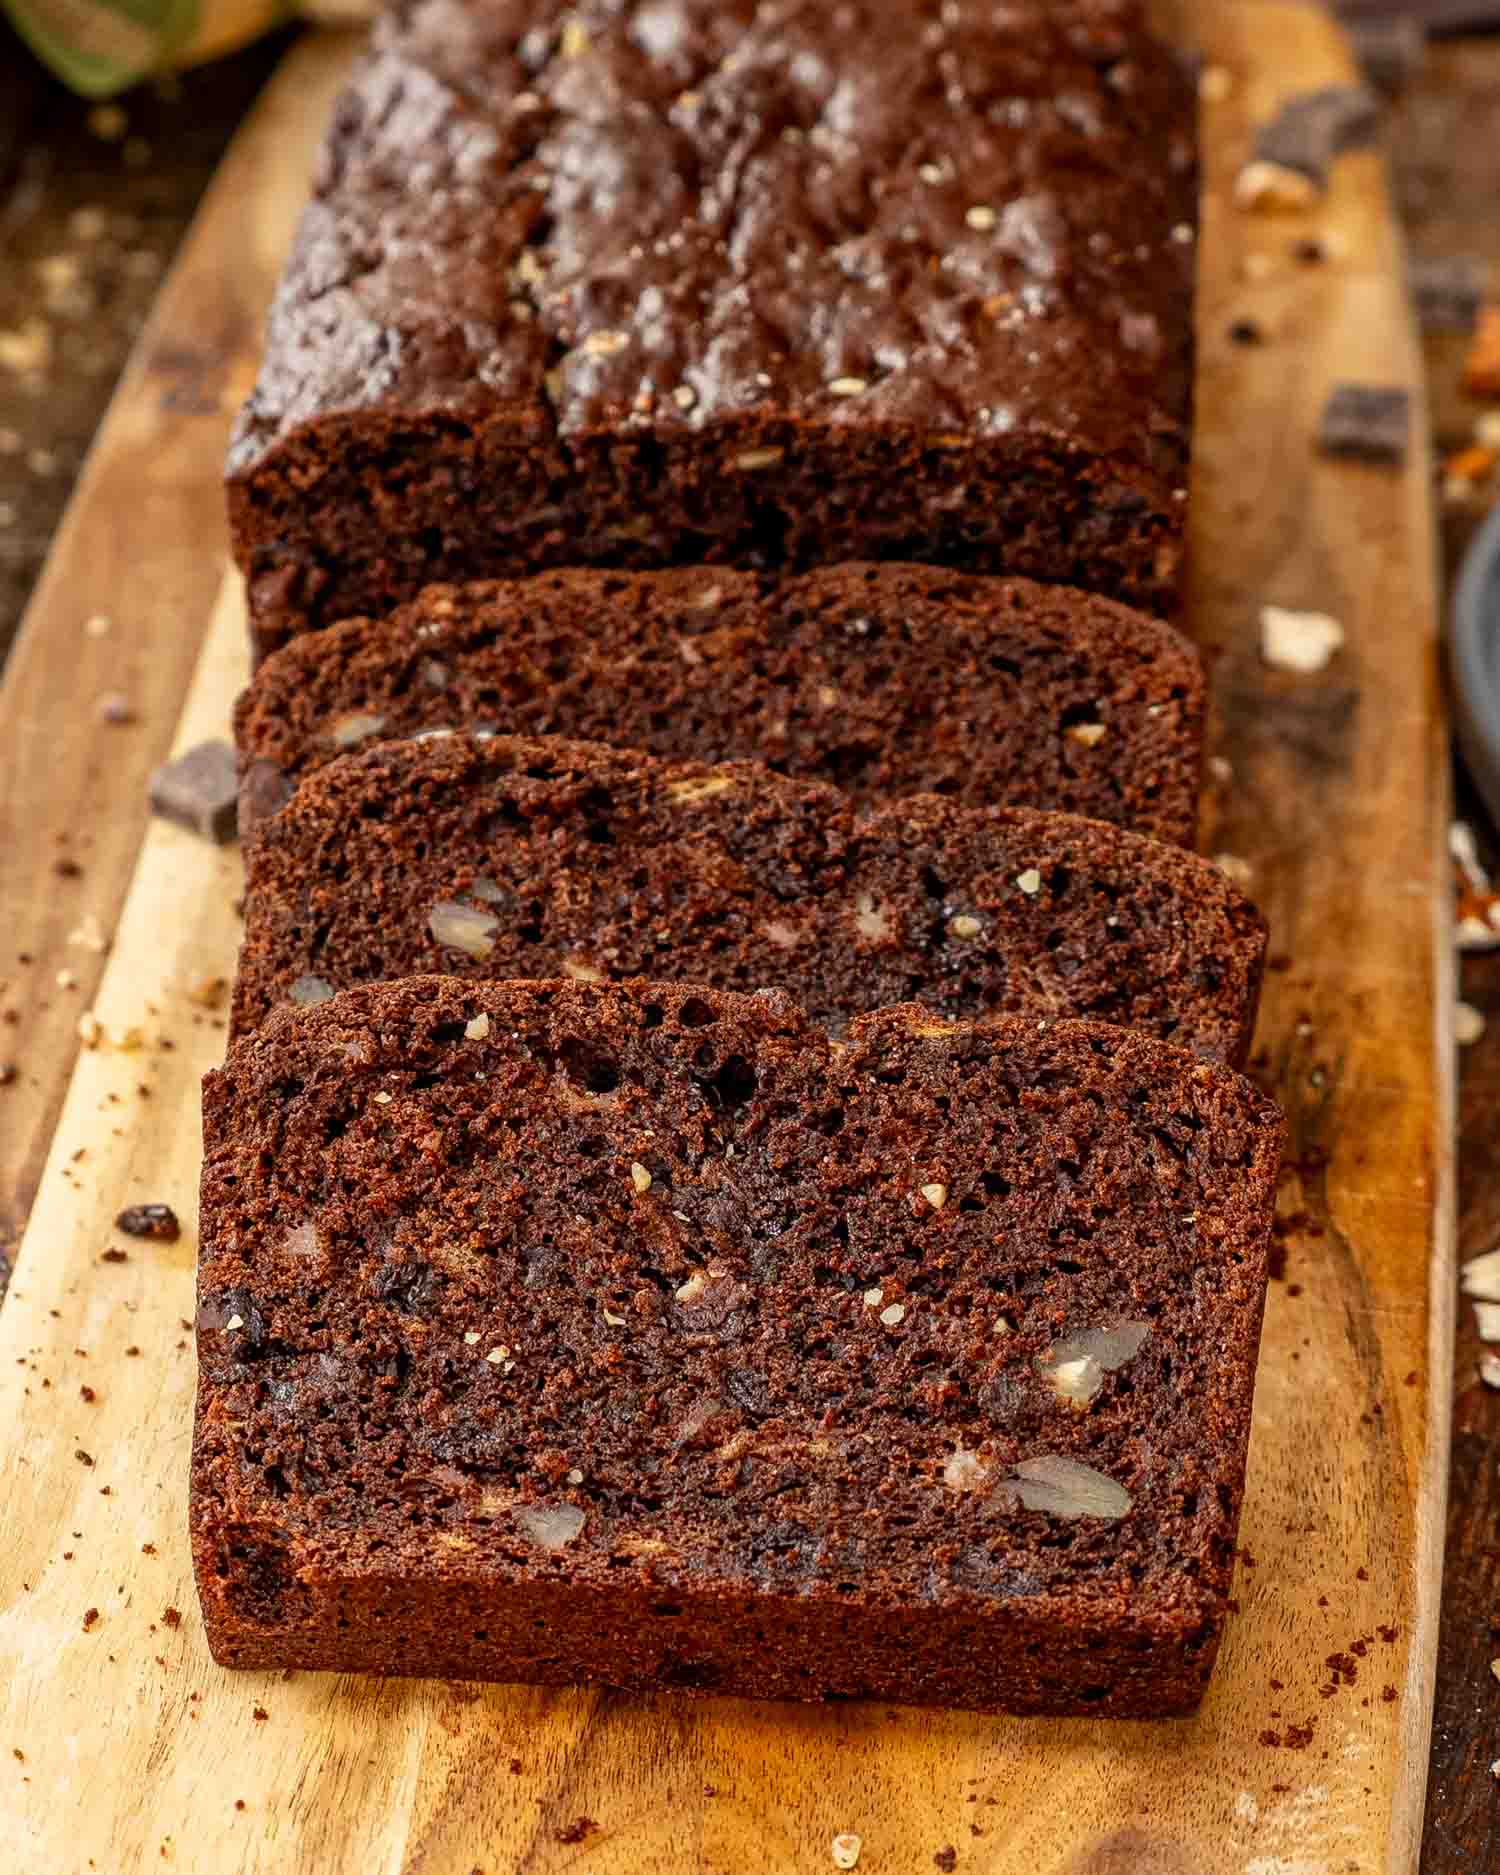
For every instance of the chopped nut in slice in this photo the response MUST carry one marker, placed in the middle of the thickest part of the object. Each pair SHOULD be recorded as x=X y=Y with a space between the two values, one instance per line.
x=1029 y=882
x=1076 y=1366
x=640 y=1177
x=308 y=990
x=1468 y=1024
x=604 y=344
x=966 y=1471
x=965 y=926
x=849 y=387
x=1487 y=1320
x=1061 y=1487
x=872 y=921
x=357 y=727
x=550 y=1526
x=981 y=217
x=699 y=787
x=471 y=1338
x=751 y=459
x=477 y=1028
x=1481 y=1276
x=894 y=1314
x=581 y=972
x=1087 y=735
x=873 y=1298
x=936 y=1195
x=463 y=928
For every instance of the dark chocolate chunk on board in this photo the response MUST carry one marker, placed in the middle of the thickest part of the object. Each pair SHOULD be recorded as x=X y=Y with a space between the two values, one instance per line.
x=200 y=791
x=642 y=1335
x=1312 y=128
x=520 y=858
x=1447 y=290
x=903 y=279
x=884 y=680
x=1369 y=421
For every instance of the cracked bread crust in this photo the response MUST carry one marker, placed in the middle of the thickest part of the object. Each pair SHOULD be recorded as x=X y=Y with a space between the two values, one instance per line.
x=884 y=680
x=641 y=1334
x=757 y=281
x=510 y=857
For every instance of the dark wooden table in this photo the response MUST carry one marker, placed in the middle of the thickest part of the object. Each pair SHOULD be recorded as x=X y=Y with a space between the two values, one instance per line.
x=92 y=205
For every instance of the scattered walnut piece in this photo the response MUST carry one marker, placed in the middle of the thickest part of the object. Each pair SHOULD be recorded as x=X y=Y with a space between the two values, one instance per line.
x=640 y=1177
x=846 y=1848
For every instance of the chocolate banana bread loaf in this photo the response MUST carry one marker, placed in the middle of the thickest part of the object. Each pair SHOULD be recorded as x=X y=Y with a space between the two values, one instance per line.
x=519 y=858
x=725 y=281
x=886 y=680
x=642 y=1334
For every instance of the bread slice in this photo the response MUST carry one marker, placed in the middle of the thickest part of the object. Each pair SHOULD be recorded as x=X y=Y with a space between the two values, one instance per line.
x=517 y=857
x=884 y=680
x=643 y=1334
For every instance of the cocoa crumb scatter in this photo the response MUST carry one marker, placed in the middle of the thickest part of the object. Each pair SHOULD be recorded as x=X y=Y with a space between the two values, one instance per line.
x=946 y=1859
x=132 y=1350
x=83 y=1457
x=90 y=1616
x=116 y=1256
x=579 y=1830
x=172 y=1617
x=148 y=1549
x=1387 y=1634
x=239 y=1803
x=1388 y=1694
x=260 y=1715
x=87 y=1395
x=156 y=1221
x=515 y=1767
x=17 y=1753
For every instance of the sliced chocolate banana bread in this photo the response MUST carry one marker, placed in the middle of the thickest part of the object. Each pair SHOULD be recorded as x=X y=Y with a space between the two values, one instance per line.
x=883 y=680
x=604 y=282
x=511 y=857
x=643 y=1334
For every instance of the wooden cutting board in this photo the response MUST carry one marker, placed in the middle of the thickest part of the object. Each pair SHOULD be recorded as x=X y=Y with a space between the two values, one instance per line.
x=123 y=1748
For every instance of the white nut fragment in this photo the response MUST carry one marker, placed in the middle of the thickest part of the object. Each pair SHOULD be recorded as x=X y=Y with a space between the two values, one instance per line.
x=936 y=1195
x=1076 y=1382
x=1029 y=882
x=1263 y=185
x=684 y=396
x=640 y=1177
x=1481 y=1276
x=462 y=928
x=787 y=936
x=581 y=972
x=477 y=1028
x=1061 y=1487
x=1468 y=1024
x=1236 y=870
x=1298 y=641
x=301 y=1240
x=846 y=1848
x=497 y=1355
x=873 y=1298
x=981 y=217
x=575 y=1476
x=604 y=344
x=1086 y=735
x=471 y=1337
x=751 y=459
x=965 y=926
x=358 y=727
x=698 y=787
x=1487 y=1320
x=849 y=387
x=894 y=1314
x=383 y=1099
x=1075 y=1368
x=1489 y=1370
x=871 y=921
x=235 y=1321
x=487 y=889
x=688 y=1293
x=966 y=1471
x=550 y=1526
x=615 y=1321
x=307 y=991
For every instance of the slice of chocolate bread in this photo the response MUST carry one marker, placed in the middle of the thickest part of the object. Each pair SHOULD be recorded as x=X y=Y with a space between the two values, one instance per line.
x=884 y=680
x=538 y=858
x=643 y=1334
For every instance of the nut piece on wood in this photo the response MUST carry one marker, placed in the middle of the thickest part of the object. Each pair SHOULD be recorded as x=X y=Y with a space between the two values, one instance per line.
x=156 y=1221
x=1368 y=421
x=200 y=791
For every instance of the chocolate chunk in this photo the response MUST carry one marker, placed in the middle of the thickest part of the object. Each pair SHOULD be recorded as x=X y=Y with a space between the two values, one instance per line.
x=199 y=791
x=1447 y=291
x=1369 y=421
x=1390 y=51
x=1310 y=130
x=264 y=791
x=157 y=1221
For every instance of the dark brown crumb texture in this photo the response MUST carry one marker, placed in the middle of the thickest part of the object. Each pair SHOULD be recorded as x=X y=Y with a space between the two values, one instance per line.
x=731 y=281
x=644 y=1335
x=511 y=857
x=884 y=680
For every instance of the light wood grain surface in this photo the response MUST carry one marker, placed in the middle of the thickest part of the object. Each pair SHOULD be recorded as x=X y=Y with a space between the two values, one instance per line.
x=123 y=1748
